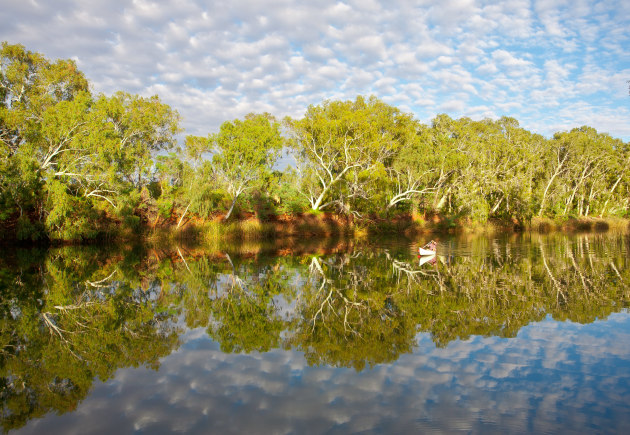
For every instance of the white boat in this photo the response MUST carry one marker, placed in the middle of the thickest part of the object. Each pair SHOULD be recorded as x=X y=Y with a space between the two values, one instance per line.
x=424 y=252
x=428 y=249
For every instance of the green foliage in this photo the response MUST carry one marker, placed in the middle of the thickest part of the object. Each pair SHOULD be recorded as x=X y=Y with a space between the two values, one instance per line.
x=130 y=203
x=62 y=150
x=27 y=230
x=128 y=130
x=209 y=201
x=69 y=217
x=338 y=139
x=245 y=152
x=71 y=161
x=165 y=206
x=290 y=200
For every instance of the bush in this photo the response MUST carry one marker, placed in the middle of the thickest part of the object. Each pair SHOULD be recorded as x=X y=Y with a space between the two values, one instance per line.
x=165 y=206
x=207 y=202
x=263 y=205
x=27 y=230
x=69 y=217
x=289 y=200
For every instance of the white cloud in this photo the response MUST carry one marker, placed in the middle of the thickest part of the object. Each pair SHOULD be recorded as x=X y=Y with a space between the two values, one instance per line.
x=488 y=68
x=507 y=59
x=456 y=106
x=232 y=56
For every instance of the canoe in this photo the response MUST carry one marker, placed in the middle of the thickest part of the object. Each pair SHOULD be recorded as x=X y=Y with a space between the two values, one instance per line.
x=428 y=249
x=423 y=251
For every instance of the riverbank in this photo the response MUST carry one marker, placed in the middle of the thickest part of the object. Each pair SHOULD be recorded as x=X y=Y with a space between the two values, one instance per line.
x=321 y=225
x=326 y=225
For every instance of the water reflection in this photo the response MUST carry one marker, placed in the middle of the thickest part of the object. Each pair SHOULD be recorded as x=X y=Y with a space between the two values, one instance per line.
x=255 y=327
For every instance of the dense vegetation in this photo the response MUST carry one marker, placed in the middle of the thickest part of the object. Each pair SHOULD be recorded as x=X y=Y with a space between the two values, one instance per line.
x=71 y=314
x=74 y=165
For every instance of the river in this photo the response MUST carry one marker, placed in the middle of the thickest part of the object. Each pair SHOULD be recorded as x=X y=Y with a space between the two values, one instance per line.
x=522 y=333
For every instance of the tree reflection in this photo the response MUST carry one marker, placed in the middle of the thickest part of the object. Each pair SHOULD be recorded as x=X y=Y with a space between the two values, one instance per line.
x=66 y=320
x=70 y=315
x=347 y=315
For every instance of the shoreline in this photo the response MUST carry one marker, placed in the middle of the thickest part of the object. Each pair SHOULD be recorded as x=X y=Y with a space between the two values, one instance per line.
x=323 y=226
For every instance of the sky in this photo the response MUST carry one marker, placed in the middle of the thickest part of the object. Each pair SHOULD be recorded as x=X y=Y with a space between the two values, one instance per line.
x=551 y=64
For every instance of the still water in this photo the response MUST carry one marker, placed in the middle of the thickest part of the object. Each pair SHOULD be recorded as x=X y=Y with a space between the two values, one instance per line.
x=518 y=334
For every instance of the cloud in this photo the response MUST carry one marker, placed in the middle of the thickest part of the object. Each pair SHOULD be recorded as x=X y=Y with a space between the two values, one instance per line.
x=213 y=61
x=508 y=60
x=456 y=106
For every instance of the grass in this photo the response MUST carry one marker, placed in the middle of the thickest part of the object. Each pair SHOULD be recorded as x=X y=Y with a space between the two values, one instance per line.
x=323 y=225
x=546 y=225
x=252 y=229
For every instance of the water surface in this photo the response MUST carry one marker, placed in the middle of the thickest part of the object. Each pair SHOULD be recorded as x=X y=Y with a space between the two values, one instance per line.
x=521 y=334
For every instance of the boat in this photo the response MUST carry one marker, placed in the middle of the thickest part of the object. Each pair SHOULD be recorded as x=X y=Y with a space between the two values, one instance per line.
x=428 y=249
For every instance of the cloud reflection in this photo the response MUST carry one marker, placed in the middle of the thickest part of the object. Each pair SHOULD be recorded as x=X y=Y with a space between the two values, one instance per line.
x=552 y=377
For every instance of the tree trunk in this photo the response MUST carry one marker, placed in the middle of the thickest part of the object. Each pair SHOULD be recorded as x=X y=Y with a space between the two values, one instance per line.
x=496 y=206
x=229 y=213
x=542 y=202
x=318 y=202
x=555 y=174
x=610 y=195
x=183 y=214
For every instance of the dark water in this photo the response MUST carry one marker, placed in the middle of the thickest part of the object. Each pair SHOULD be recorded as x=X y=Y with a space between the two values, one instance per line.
x=522 y=334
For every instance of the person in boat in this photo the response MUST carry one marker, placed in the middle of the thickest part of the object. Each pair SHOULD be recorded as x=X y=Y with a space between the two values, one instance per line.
x=428 y=249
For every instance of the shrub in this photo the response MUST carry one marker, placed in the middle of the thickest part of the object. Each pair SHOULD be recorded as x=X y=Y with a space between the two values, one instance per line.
x=27 y=230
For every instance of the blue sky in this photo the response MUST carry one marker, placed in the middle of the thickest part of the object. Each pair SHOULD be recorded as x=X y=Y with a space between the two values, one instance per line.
x=551 y=64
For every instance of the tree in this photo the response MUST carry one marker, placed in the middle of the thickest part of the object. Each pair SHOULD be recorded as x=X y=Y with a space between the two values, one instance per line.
x=63 y=151
x=339 y=137
x=182 y=178
x=126 y=131
x=417 y=169
x=244 y=151
x=585 y=170
x=30 y=86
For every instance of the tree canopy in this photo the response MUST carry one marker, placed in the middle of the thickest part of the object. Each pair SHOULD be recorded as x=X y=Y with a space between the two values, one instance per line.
x=76 y=166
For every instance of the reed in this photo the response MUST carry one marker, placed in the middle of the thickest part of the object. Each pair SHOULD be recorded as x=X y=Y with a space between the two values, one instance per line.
x=546 y=225
x=248 y=230
x=217 y=233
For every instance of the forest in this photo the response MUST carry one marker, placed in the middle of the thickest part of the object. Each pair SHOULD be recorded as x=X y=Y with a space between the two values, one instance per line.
x=76 y=166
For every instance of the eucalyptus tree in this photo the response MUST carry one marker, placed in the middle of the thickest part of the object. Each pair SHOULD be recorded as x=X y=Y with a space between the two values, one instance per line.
x=338 y=138
x=618 y=182
x=505 y=155
x=30 y=84
x=452 y=138
x=482 y=168
x=99 y=149
x=63 y=150
x=127 y=131
x=555 y=161
x=194 y=180
x=585 y=169
x=421 y=167
x=244 y=151
x=591 y=170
